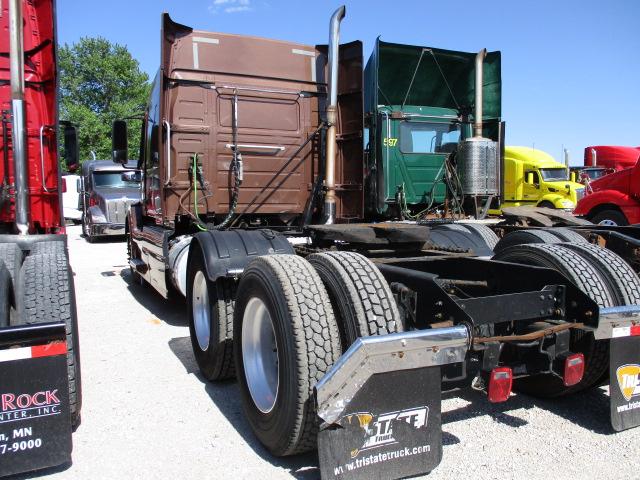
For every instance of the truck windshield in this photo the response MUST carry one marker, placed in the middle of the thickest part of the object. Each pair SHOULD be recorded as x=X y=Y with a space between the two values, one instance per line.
x=113 y=180
x=428 y=137
x=554 y=174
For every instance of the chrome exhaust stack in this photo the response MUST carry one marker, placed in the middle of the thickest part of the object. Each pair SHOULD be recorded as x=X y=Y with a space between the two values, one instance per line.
x=19 y=129
x=477 y=126
x=332 y=116
x=478 y=157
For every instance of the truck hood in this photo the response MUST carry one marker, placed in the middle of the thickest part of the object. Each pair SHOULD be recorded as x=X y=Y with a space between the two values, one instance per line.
x=560 y=186
x=614 y=181
x=117 y=193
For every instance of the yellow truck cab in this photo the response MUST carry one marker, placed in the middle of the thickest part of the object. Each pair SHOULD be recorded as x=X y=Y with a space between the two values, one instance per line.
x=532 y=177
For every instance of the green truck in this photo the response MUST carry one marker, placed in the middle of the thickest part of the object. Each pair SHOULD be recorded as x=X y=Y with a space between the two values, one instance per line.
x=420 y=106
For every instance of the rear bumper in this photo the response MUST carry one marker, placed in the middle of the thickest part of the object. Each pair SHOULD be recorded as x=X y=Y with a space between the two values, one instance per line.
x=615 y=322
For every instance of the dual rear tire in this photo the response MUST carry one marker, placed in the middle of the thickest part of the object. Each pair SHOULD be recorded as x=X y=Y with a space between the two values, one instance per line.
x=604 y=277
x=292 y=319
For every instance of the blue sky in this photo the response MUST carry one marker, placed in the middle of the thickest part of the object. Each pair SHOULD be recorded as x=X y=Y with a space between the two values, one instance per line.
x=570 y=68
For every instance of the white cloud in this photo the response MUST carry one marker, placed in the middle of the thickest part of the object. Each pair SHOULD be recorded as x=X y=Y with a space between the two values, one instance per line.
x=230 y=6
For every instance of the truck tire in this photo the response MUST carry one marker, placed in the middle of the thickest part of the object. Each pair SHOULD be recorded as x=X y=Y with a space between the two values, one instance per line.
x=455 y=237
x=6 y=296
x=48 y=248
x=618 y=274
x=46 y=294
x=567 y=235
x=546 y=204
x=523 y=237
x=210 y=306
x=586 y=277
x=488 y=235
x=360 y=296
x=610 y=218
x=86 y=231
x=286 y=339
x=11 y=255
x=135 y=276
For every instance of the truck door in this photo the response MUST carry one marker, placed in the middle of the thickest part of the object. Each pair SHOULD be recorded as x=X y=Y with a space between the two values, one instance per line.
x=531 y=191
x=414 y=154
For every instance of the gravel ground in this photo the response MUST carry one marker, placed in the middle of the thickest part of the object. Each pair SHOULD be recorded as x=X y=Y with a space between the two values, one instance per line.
x=147 y=413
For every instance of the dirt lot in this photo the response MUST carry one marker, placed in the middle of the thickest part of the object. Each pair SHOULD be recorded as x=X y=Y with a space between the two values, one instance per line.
x=147 y=413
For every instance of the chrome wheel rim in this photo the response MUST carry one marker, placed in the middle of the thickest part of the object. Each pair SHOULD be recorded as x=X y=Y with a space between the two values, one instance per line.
x=608 y=223
x=201 y=310
x=260 y=355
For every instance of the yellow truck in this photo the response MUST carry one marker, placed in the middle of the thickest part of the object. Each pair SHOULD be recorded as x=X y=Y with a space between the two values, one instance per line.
x=532 y=177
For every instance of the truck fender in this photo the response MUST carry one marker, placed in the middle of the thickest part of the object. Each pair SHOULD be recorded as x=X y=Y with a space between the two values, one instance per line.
x=97 y=215
x=555 y=199
x=227 y=252
x=603 y=197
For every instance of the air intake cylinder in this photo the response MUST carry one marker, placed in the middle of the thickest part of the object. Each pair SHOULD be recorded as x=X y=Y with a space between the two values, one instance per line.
x=478 y=167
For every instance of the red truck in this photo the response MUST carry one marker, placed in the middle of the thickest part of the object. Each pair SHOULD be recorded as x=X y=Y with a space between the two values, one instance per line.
x=40 y=393
x=613 y=199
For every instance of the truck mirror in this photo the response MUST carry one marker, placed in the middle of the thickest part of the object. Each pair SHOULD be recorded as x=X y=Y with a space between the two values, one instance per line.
x=529 y=178
x=71 y=152
x=119 y=146
x=78 y=186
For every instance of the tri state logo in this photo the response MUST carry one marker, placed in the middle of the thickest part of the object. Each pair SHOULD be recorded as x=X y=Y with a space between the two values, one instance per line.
x=629 y=380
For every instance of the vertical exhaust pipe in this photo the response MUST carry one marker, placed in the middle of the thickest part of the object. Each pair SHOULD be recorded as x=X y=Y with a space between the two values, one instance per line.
x=16 y=55
x=477 y=126
x=594 y=157
x=332 y=117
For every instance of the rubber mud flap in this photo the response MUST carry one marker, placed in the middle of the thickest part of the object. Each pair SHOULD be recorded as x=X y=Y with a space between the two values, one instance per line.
x=383 y=435
x=624 y=388
x=35 y=424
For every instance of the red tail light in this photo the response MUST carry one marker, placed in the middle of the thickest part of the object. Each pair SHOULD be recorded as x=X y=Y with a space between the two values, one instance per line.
x=573 y=369
x=92 y=201
x=500 y=382
x=64 y=185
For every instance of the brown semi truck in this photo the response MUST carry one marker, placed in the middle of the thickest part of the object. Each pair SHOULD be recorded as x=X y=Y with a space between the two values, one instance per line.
x=263 y=206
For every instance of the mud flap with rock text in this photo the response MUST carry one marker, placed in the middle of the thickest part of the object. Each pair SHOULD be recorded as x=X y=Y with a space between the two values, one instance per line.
x=35 y=426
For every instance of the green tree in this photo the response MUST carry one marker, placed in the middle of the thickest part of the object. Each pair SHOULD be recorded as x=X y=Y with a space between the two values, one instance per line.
x=99 y=83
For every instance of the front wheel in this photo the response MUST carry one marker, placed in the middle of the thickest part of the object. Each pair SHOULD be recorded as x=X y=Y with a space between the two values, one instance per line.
x=86 y=230
x=286 y=339
x=610 y=218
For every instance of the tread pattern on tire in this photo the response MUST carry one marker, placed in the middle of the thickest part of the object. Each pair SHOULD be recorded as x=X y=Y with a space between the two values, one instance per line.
x=315 y=332
x=588 y=279
x=46 y=292
x=622 y=279
x=11 y=255
x=48 y=248
x=225 y=291
x=524 y=237
x=488 y=235
x=567 y=235
x=364 y=289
